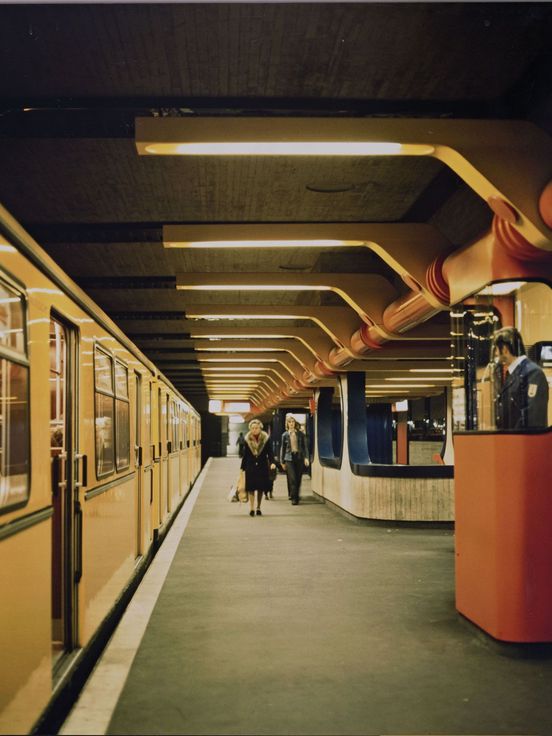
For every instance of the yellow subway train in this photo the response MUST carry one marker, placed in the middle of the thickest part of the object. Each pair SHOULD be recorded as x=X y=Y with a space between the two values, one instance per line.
x=97 y=452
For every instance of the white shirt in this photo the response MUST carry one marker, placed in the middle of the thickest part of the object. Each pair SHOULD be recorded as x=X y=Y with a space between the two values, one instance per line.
x=518 y=361
x=293 y=440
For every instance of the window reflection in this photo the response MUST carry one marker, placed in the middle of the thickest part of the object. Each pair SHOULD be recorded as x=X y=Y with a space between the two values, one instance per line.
x=104 y=408
x=14 y=406
x=123 y=435
x=419 y=430
x=122 y=418
x=57 y=387
x=104 y=434
x=14 y=433
x=103 y=371
x=11 y=319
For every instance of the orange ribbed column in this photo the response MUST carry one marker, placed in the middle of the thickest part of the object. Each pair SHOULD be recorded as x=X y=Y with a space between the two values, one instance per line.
x=545 y=204
x=515 y=244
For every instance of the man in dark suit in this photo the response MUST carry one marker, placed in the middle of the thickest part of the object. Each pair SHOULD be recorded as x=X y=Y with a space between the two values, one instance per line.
x=522 y=401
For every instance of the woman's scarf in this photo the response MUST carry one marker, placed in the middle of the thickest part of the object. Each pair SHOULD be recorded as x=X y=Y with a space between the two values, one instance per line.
x=255 y=446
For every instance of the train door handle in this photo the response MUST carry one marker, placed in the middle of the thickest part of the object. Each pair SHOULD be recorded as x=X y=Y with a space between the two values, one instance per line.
x=59 y=473
x=138 y=455
x=82 y=471
x=78 y=541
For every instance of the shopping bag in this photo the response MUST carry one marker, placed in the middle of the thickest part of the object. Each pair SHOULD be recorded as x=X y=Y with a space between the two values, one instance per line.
x=242 y=493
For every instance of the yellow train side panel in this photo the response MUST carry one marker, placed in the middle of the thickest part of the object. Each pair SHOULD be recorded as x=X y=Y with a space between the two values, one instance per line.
x=25 y=620
x=108 y=553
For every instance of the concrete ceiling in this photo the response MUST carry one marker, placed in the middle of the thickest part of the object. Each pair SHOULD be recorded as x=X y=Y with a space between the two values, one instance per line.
x=75 y=77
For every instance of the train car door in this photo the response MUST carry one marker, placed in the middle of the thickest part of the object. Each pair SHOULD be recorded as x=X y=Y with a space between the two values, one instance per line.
x=149 y=460
x=184 y=462
x=67 y=517
x=138 y=462
x=163 y=461
x=167 y=450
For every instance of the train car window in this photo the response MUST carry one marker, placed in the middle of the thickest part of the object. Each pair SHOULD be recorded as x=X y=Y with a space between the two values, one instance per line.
x=122 y=417
x=174 y=420
x=502 y=377
x=105 y=409
x=103 y=369
x=12 y=334
x=121 y=381
x=184 y=425
x=14 y=401
x=58 y=349
x=147 y=416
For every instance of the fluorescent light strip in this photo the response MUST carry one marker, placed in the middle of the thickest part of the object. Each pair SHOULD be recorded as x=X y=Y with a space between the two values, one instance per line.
x=501 y=289
x=216 y=317
x=233 y=372
x=259 y=243
x=241 y=368
x=426 y=378
x=289 y=148
x=239 y=336
x=236 y=360
x=396 y=385
x=251 y=287
x=230 y=387
x=432 y=370
x=238 y=350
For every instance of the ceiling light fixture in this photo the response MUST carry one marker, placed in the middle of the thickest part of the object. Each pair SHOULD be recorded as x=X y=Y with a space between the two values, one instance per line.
x=201 y=359
x=431 y=370
x=255 y=136
x=238 y=350
x=215 y=317
x=426 y=378
x=284 y=148
x=238 y=336
x=400 y=385
x=174 y=243
x=251 y=287
x=503 y=288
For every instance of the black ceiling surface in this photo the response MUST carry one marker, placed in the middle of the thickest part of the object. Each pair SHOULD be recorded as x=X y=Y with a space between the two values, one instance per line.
x=75 y=76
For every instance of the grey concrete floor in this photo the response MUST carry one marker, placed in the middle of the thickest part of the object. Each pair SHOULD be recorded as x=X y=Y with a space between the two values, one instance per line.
x=304 y=622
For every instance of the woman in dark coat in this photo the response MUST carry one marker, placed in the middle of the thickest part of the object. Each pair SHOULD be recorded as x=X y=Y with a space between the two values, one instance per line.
x=257 y=460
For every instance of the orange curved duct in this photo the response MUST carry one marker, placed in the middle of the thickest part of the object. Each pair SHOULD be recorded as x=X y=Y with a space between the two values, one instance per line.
x=512 y=256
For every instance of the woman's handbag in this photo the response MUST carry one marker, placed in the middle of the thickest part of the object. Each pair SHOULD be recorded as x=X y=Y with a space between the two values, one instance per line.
x=272 y=474
x=242 y=493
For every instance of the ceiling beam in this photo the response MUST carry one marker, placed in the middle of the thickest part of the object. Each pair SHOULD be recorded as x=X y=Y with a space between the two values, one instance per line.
x=113 y=117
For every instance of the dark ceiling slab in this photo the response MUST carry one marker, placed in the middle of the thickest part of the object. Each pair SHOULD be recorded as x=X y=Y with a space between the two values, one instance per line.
x=105 y=181
x=105 y=264
x=141 y=299
x=75 y=76
x=350 y=50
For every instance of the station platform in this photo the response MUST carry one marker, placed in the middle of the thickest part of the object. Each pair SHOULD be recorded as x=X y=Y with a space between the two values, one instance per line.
x=303 y=622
